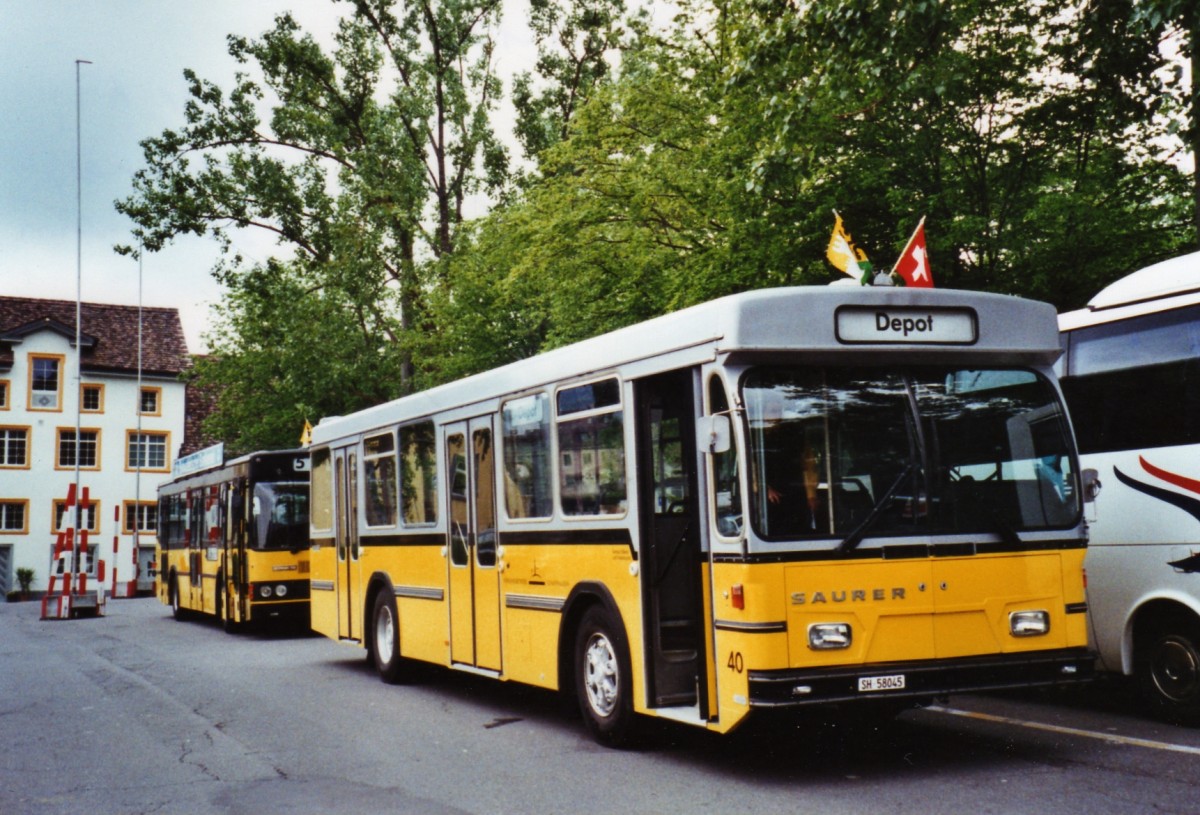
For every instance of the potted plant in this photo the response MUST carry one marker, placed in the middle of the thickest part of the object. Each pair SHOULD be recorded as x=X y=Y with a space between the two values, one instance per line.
x=25 y=579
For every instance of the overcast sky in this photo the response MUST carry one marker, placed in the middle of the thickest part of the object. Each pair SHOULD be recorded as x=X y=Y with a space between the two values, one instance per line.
x=133 y=89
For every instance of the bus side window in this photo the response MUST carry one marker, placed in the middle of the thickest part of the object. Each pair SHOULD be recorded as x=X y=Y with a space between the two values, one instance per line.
x=727 y=492
x=177 y=509
x=591 y=449
x=163 y=526
x=419 y=479
x=1122 y=372
x=321 y=479
x=525 y=429
x=379 y=476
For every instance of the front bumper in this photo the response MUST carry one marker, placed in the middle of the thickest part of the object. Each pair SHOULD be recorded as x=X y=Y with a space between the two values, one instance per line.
x=922 y=679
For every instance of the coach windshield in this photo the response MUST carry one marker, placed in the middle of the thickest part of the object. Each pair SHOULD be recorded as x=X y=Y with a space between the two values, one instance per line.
x=857 y=452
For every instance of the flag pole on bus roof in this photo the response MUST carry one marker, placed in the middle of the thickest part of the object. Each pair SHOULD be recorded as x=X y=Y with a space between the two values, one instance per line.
x=913 y=264
x=845 y=256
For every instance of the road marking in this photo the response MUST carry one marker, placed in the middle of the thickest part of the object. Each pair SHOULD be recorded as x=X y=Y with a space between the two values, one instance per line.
x=1069 y=731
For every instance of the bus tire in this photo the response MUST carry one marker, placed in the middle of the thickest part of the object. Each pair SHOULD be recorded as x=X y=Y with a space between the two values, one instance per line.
x=603 y=678
x=1169 y=673
x=177 y=608
x=223 y=607
x=385 y=640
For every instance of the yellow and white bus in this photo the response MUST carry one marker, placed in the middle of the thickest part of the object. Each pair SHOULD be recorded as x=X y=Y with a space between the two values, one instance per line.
x=1130 y=377
x=233 y=537
x=780 y=498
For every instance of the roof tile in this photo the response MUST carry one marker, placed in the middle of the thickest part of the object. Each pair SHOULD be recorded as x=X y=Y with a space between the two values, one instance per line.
x=115 y=329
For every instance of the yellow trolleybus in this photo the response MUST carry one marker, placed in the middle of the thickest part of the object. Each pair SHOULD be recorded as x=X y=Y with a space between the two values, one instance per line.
x=780 y=498
x=233 y=537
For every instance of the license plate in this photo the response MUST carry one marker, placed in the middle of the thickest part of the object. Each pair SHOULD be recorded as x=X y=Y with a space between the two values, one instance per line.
x=867 y=684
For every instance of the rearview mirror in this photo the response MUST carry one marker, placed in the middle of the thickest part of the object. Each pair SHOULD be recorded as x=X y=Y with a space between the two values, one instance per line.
x=713 y=433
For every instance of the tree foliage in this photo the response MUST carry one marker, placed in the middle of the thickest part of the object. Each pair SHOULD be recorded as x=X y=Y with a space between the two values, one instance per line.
x=359 y=161
x=1041 y=141
x=281 y=359
x=713 y=162
x=997 y=120
x=574 y=40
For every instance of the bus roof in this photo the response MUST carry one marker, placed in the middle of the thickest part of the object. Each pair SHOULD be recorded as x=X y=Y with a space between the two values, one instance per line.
x=207 y=471
x=756 y=324
x=1169 y=284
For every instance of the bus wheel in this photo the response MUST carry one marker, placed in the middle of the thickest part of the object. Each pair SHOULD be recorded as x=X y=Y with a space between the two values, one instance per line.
x=603 y=679
x=176 y=601
x=223 y=607
x=385 y=640
x=1170 y=675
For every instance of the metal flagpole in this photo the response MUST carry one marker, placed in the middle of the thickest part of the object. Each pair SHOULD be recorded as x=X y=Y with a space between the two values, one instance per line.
x=78 y=281
x=141 y=442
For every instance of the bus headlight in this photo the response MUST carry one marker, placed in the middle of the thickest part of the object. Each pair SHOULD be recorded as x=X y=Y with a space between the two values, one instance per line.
x=828 y=636
x=264 y=591
x=1029 y=623
x=281 y=590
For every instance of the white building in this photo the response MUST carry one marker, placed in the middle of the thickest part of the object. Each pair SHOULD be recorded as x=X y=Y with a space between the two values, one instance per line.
x=128 y=433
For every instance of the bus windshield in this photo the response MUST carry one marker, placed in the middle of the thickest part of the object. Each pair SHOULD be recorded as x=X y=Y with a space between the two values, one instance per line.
x=279 y=516
x=852 y=452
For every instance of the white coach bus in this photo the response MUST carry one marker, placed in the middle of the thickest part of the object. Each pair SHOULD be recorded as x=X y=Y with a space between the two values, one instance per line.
x=1131 y=375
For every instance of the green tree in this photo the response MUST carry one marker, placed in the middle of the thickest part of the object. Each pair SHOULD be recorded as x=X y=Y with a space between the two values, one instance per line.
x=494 y=306
x=288 y=352
x=1139 y=33
x=997 y=120
x=360 y=168
x=574 y=40
x=712 y=164
x=616 y=227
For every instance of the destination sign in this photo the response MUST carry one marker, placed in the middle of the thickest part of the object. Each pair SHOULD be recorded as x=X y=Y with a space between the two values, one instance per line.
x=200 y=460
x=890 y=325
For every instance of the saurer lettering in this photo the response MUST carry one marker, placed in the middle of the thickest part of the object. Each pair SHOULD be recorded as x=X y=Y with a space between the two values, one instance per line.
x=802 y=598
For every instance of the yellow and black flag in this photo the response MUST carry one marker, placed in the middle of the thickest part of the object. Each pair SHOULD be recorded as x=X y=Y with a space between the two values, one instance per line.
x=844 y=255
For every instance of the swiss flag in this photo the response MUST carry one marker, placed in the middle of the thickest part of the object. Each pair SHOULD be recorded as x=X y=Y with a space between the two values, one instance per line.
x=913 y=264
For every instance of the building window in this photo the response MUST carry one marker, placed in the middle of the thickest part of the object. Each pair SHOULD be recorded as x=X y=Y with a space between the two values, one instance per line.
x=4 y=394
x=150 y=402
x=146 y=451
x=45 y=382
x=14 y=447
x=144 y=515
x=89 y=448
x=89 y=565
x=14 y=517
x=89 y=520
x=92 y=399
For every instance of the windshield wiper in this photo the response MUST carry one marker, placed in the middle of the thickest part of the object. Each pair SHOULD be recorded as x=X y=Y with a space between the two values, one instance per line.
x=1002 y=528
x=857 y=534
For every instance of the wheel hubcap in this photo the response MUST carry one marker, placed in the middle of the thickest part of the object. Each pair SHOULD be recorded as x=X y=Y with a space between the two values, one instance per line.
x=1175 y=670
x=385 y=636
x=600 y=675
